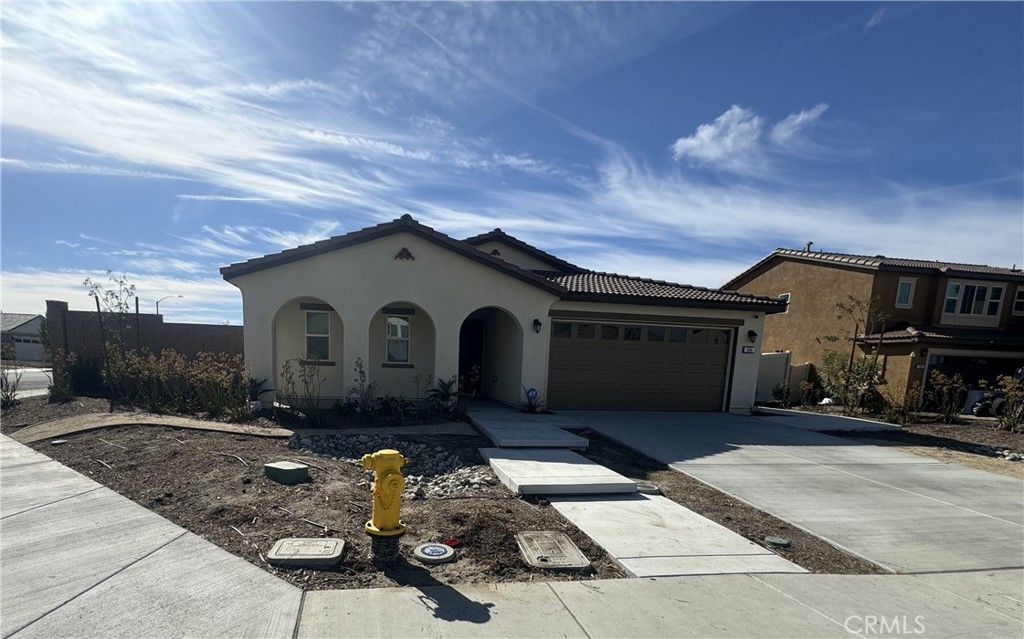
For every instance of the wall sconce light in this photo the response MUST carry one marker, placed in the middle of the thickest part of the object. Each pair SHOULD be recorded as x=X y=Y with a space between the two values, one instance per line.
x=752 y=336
x=536 y=325
x=924 y=351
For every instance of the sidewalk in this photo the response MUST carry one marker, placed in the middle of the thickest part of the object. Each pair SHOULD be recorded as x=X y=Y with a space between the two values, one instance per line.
x=79 y=560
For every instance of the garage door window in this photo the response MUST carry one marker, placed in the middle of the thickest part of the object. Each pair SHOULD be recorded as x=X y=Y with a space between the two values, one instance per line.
x=631 y=333
x=562 y=330
x=655 y=333
x=610 y=332
x=677 y=335
x=585 y=331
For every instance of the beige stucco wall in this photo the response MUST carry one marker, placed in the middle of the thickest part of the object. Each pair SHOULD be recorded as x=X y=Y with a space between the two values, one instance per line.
x=290 y=343
x=743 y=367
x=401 y=381
x=500 y=377
x=361 y=279
x=814 y=292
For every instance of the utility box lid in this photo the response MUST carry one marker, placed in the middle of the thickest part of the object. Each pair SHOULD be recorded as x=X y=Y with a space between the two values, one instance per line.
x=286 y=472
x=550 y=549
x=304 y=552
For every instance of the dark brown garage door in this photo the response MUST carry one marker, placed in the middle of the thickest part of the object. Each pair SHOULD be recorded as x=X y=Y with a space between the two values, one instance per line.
x=637 y=367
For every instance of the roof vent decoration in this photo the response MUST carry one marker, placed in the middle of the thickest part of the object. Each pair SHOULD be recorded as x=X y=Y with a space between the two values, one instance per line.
x=404 y=254
x=496 y=253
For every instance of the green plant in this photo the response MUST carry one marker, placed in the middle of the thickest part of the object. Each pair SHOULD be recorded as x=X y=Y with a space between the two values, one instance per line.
x=947 y=395
x=62 y=385
x=10 y=379
x=422 y=380
x=303 y=396
x=365 y=392
x=445 y=397
x=899 y=406
x=808 y=395
x=391 y=410
x=1011 y=416
x=257 y=388
x=848 y=379
x=781 y=393
x=7 y=352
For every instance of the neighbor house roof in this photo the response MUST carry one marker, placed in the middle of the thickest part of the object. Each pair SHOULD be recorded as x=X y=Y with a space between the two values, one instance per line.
x=11 y=321
x=568 y=281
x=881 y=263
x=946 y=334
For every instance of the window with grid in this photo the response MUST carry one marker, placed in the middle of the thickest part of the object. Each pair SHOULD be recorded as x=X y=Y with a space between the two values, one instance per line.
x=398 y=337
x=318 y=335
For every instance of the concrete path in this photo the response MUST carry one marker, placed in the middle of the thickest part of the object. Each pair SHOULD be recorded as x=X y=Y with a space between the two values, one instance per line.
x=81 y=561
x=532 y=471
x=94 y=421
x=905 y=512
x=652 y=536
x=508 y=428
x=77 y=559
x=822 y=421
x=708 y=606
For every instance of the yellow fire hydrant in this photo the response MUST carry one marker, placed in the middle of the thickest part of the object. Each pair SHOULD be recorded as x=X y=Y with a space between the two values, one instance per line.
x=385 y=525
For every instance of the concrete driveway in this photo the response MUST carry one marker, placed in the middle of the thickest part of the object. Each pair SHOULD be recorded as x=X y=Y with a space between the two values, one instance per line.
x=908 y=513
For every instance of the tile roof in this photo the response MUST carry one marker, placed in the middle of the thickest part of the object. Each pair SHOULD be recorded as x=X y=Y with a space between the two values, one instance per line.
x=576 y=284
x=11 y=321
x=945 y=333
x=611 y=286
x=501 y=236
x=881 y=262
x=899 y=262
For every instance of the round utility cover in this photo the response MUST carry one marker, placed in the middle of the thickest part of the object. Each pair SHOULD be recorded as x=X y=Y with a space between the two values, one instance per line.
x=434 y=553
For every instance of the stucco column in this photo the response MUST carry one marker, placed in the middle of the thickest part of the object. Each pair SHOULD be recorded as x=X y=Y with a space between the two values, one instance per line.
x=356 y=345
x=446 y=350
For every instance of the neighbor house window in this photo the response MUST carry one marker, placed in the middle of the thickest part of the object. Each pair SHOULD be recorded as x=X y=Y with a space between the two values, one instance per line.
x=318 y=335
x=1018 y=301
x=398 y=339
x=785 y=298
x=905 y=292
x=976 y=303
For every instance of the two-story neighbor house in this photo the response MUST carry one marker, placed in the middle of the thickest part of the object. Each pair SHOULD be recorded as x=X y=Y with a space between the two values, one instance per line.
x=957 y=318
x=411 y=303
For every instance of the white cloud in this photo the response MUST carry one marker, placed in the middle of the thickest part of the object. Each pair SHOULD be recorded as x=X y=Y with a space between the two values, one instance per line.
x=876 y=19
x=66 y=243
x=731 y=142
x=736 y=142
x=86 y=169
x=786 y=131
x=221 y=198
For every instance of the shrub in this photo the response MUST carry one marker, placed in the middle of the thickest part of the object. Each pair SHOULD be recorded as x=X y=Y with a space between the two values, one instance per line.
x=781 y=393
x=10 y=379
x=899 y=406
x=947 y=395
x=221 y=383
x=62 y=384
x=444 y=397
x=391 y=410
x=533 y=404
x=1011 y=417
x=301 y=390
x=848 y=380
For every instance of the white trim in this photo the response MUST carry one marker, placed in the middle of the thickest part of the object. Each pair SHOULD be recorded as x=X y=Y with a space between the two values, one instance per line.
x=973 y=319
x=407 y=340
x=910 y=297
x=789 y=298
x=1018 y=297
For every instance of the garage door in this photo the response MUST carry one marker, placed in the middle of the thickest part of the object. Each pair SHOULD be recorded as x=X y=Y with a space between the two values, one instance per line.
x=637 y=367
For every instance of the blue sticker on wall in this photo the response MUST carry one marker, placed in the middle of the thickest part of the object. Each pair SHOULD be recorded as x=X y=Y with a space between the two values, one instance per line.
x=531 y=394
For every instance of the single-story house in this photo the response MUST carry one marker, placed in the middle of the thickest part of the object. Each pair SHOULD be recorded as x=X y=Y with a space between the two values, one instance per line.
x=413 y=303
x=21 y=330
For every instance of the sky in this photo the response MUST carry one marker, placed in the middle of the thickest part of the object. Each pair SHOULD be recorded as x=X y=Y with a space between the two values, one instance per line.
x=676 y=141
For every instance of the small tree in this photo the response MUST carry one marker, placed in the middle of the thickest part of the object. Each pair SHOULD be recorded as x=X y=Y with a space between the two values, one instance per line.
x=851 y=377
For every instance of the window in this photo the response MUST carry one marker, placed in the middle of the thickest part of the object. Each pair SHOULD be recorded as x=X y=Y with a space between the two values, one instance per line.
x=1018 y=301
x=677 y=335
x=785 y=297
x=655 y=333
x=562 y=330
x=631 y=333
x=905 y=292
x=585 y=331
x=609 y=332
x=977 y=303
x=318 y=335
x=398 y=339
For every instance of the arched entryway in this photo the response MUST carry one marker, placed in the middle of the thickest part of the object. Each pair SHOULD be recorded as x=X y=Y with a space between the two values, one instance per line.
x=309 y=331
x=491 y=354
x=402 y=340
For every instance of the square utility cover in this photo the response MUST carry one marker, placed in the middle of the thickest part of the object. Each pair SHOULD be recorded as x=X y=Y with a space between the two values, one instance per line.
x=297 y=552
x=550 y=549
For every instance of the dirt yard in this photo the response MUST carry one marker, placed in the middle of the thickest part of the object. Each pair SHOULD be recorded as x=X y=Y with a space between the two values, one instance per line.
x=972 y=443
x=212 y=483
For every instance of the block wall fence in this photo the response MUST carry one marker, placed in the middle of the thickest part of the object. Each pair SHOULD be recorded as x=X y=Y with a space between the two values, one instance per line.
x=79 y=332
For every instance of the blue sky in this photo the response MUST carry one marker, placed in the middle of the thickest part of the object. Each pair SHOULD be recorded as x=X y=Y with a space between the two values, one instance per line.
x=669 y=140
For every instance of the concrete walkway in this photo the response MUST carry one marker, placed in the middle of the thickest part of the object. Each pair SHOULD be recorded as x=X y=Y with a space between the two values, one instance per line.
x=77 y=559
x=905 y=512
x=509 y=428
x=81 y=561
x=94 y=421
